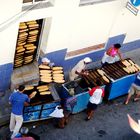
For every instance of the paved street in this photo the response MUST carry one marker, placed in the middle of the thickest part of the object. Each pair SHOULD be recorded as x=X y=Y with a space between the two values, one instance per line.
x=109 y=123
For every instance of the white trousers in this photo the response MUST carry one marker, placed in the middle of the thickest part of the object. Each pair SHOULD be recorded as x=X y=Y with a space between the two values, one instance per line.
x=15 y=124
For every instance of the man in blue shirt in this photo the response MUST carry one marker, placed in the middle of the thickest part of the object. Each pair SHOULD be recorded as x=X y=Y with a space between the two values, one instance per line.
x=135 y=89
x=18 y=100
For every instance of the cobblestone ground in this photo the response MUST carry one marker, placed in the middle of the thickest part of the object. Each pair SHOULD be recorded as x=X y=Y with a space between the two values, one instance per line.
x=109 y=123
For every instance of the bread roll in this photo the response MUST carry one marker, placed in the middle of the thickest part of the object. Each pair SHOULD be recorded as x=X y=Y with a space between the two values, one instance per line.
x=57 y=68
x=59 y=81
x=44 y=66
x=33 y=94
x=57 y=72
x=23 y=30
x=33 y=25
x=105 y=79
x=137 y=66
x=31 y=48
x=33 y=32
x=45 y=93
x=29 y=87
x=127 y=70
x=45 y=77
x=45 y=71
x=22 y=43
x=130 y=61
x=43 y=87
x=101 y=72
x=58 y=75
x=46 y=74
x=28 y=45
x=46 y=80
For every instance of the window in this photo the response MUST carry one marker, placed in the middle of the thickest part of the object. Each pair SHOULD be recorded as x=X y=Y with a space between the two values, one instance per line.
x=86 y=2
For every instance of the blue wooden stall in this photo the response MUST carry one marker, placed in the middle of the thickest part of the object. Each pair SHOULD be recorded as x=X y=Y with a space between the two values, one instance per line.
x=41 y=111
x=81 y=94
x=120 y=86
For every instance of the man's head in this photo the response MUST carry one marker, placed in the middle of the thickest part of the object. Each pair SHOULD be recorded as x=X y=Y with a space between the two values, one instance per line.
x=87 y=60
x=117 y=46
x=45 y=61
x=21 y=88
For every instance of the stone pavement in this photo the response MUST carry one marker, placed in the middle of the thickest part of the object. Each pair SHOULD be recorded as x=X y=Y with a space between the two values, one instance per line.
x=109 y=123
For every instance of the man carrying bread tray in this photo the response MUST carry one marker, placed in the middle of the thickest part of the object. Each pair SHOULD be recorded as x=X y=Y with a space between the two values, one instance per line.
x=79 y=69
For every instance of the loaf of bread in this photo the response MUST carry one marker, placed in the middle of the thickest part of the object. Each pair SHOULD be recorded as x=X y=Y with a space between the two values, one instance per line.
x=100 y=72
x=57 y=72
x=29 y=87
x=59 y=81
x=126 y=63
x=46 y=87
x=45 y=93
x=58 y=75
x=105 y=79
x=32 y=95
x=46 y=80
x=34 y=32
x=137 y=66
x=44 y=67
x=57 y=68
x=45 y=71
x=125 y=69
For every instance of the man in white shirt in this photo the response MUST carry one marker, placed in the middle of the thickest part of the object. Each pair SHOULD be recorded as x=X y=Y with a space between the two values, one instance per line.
x=79 y=69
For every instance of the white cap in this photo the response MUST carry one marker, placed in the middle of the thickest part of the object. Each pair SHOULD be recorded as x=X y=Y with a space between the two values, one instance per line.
x=87 y=60
x=45 y=60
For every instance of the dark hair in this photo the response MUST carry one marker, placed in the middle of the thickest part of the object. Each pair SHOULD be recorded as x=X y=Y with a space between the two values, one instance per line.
x=117 y=45
x=21 y=87
x=98 y=82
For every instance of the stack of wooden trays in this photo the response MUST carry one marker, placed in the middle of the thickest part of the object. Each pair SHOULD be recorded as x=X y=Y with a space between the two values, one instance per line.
x=26 y=43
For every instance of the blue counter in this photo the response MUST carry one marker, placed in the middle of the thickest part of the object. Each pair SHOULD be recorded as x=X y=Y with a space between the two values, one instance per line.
x=82 y=96
x=41 y=111
x=120 y=86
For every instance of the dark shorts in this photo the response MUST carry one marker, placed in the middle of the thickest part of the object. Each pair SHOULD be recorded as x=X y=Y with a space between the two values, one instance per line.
x=92 y=106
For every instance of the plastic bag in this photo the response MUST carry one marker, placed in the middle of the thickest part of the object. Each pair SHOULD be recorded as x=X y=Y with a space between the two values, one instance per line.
x=57 y=113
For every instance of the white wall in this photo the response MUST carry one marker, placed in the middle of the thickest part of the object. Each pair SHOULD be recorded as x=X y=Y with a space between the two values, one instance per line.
x=80 y=27
x=127 y=23
x=8 y=29
x=72 y=27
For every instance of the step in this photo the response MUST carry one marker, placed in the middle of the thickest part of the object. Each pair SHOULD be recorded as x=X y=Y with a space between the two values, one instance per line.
x=26 y=75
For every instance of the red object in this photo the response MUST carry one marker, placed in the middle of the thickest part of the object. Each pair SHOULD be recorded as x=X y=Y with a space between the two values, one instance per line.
x=91 y=92
x=24 y=138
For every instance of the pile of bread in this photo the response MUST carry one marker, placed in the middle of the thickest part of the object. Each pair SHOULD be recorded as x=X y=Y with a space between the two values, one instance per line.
x=103 y=76
x=130 y=66
x=40 y=89
x=26 y=48
x=48 y=75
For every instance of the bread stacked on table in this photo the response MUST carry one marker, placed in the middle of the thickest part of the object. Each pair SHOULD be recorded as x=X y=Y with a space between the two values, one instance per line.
x=94 y=75
x=130 y=66
x=45 y=74
x=43 y=90
x=49 y=75
x=38 y=93
x=26 y=43
x=121 y=68
x=58 y=76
